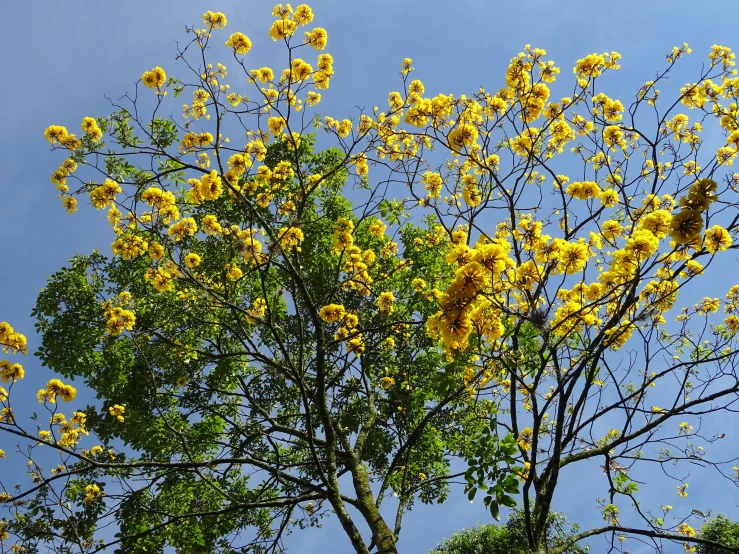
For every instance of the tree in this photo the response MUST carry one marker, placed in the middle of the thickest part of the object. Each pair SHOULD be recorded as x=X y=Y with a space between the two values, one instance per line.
x=257 y=342
x=508 y=539
x=278 y=337
x=722 y=531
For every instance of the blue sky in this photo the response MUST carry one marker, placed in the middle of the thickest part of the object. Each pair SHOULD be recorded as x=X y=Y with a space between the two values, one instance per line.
x=67 y=56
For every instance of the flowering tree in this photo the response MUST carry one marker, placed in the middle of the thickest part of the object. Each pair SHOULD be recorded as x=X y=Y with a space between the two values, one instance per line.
x=278 y=337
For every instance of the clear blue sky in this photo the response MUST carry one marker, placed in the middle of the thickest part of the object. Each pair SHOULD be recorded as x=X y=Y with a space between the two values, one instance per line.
x=62 y=58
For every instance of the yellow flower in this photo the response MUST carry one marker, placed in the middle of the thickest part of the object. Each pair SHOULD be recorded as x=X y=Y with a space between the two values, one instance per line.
x=117 y=411
x=332 y=313
x=119 y=319
x=282 y=28
x=685 y=226
x=589 y=67
x=233 y=272
x=707 y=305
x=385 y=303
x=192 y=260
x=276 y=124
x=462 y=136
x=264 y=74
x=185 y=227
x=239 y=42
x=418 y=284
x=90 y=127
x=377 y=228
x=10 y=340
x=317 y=38
x=299 y=70
x=156 y=251
x=682 y=490
x=92 y=493
x=717 y=238
x=56 y=388
x=290 y=237
x=211 y=226
x=312 y=98
x=129 y=246
x=69 y=204
x=154 y=78
x=211 y=186
x=471 y=195
x=303 y=14
x=608 y=198
x=10 y=372
x=386 y=382
x=56 y=133
x=584 y=190
x=79 y=418
x=525 y=438
x=214 y=19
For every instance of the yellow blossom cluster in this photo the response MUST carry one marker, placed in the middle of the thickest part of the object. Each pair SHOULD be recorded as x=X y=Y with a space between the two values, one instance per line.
x=385 y=303
x=290 y=237
x=332 y=313
x=155 y=79
x=104 y=195
x=688 y=223
x=69 y=432
x=247 y=245
x=10 y=372
x=92 y=493
x=55 y=388
x=117 y=318
x=57 y=134
x=192 y=142
x=162 y=278
x=13 y=342
x=129 y=246
x=257 y=311
x=117 y=412
x=463 y=306
x=356 y=262
x=386 y=382
x=163 y=202
x=91 y=129
x=239 y=42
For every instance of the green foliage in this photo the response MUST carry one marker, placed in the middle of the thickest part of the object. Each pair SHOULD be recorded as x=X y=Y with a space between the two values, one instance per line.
x=721 y=530
x=492 y=469
x=509 y=538
x=225 y=422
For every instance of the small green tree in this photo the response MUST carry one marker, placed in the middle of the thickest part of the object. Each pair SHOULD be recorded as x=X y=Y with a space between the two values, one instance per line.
x=719 y=530
x=510 y=538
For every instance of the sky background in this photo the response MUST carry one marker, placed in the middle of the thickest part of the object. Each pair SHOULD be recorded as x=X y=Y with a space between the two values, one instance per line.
x=67 y=56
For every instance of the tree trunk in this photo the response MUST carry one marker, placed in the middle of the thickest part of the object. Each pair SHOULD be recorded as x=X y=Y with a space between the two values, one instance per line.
x=382 y=535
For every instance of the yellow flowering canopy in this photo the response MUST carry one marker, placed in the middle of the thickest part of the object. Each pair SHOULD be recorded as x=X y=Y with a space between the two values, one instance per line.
x=272 y=318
